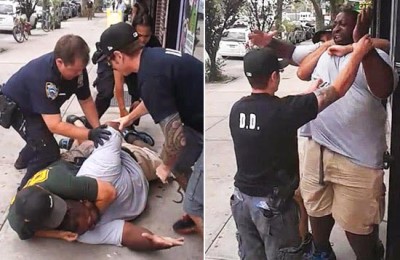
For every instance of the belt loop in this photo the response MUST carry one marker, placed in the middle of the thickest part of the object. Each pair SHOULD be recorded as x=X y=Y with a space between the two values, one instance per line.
x=321 y=165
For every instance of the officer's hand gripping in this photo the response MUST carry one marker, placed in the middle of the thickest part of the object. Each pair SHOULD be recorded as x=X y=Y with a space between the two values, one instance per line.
x=97 y=135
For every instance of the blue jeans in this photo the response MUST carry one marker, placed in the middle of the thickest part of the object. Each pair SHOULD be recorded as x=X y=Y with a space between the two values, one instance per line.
x=265 y=236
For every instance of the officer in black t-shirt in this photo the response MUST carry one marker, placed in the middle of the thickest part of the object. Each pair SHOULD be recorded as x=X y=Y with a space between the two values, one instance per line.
x=39 y=89
x=264 y=132
x=171 y=87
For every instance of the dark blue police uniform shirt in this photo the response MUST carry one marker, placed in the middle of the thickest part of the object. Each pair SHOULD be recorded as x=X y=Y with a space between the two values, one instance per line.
x=172 y=82
x=38 y=87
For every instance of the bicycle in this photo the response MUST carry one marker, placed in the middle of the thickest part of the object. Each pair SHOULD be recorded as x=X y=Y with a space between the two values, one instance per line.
x=47 y=21
x=21 y=29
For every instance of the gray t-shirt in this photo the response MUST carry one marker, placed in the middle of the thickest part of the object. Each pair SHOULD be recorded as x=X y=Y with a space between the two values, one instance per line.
x=109 y=163
x=353 y=126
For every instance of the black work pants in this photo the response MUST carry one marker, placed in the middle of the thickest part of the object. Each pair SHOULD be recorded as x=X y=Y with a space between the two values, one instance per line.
x=41 y=148
x=105 y=88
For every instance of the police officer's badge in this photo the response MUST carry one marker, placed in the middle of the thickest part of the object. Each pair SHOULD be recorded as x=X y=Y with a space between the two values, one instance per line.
x=51 y=90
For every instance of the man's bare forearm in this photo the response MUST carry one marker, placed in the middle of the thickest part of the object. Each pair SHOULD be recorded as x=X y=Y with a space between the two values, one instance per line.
x=174 y=139
x=328 y=95
x=119 y=90
x=106 y=194
x=379 y=74
x=309 y=63
x=283 y=49
x=139 y=111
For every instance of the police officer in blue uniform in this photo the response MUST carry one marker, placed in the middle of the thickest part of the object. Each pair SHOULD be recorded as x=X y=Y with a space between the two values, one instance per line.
x=172 y=90
x=39 y=89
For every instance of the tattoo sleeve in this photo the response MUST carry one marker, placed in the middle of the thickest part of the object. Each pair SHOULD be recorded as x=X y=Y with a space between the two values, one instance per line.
x=326 y=96
x=174 y=138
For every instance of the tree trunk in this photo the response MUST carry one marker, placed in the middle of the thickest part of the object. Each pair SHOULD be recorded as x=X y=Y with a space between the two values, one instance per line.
x=319 y=17
x=278 y=19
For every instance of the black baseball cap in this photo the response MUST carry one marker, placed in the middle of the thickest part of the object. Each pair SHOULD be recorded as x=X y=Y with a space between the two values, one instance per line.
x=40 y=207
x=116 y=37
x=262 y=62
x=317 y=36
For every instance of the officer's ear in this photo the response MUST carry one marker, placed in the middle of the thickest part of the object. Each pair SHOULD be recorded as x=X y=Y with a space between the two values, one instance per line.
x=118 y=57
x=59 y=62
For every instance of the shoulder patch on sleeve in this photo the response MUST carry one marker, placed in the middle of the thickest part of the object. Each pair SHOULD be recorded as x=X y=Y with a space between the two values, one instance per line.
x=51 y=90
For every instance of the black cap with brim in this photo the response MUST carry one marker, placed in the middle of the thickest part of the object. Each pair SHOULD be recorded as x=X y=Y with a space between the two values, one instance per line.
x=317 y=36
x=40 y=207
x=262 y=62
x=116 y=37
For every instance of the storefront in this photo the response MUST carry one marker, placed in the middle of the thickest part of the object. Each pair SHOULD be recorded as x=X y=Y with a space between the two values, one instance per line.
x=176 y=22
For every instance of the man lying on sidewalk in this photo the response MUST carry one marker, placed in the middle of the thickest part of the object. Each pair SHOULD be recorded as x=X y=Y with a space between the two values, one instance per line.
x=114 y=166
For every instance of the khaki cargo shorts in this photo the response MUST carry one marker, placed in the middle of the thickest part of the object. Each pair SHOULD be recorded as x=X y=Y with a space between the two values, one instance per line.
x=353 y=194
x=147 y=159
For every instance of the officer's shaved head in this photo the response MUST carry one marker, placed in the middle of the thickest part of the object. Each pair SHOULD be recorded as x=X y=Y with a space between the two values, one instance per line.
x=71 y=47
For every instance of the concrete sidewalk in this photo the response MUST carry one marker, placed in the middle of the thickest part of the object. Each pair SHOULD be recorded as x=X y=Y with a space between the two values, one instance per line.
x=161 y=212
x=220 y=239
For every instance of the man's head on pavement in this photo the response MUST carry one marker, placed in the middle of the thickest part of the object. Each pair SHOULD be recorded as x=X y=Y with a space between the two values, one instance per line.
x=80 y=217
x=120 y=45
x=142 y=24
x=71 y=55
x=262 y=69
x=40 y=208
x=343 y=26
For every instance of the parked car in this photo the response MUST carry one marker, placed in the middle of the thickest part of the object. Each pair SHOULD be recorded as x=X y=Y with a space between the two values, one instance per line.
x=7 y=11
x=74 y=9
x=234 y=42
x=65 y=10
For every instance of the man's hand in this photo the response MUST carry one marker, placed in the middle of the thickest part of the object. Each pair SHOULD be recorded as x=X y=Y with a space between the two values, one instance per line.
x=314 y=86
x=97 y=135
x=68 y=236
x=163 y=172
x=261 y=38
x=363 y=46
x=339 y=50
x=160 y=242
x=123 y=122
x=364 y=20
x=123 y=112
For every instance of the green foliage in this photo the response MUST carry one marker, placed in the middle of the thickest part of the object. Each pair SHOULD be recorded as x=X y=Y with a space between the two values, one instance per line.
x=289 y=26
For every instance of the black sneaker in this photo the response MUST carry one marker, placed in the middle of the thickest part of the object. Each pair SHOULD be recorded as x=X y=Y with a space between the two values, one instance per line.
x=319 y=255
x=65 y=143
x=131 y=135
x=185 y=226
x=20 y=163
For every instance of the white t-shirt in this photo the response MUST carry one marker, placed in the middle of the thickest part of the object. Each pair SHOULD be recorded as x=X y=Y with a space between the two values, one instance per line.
x=353 y=126
x=109 y=163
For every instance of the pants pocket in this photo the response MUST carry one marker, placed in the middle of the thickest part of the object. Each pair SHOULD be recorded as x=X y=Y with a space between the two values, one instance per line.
x=290 y=253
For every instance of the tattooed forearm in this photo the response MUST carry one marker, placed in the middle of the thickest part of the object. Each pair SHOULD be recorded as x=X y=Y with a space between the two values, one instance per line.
x=174 y=138
x=326 y=96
